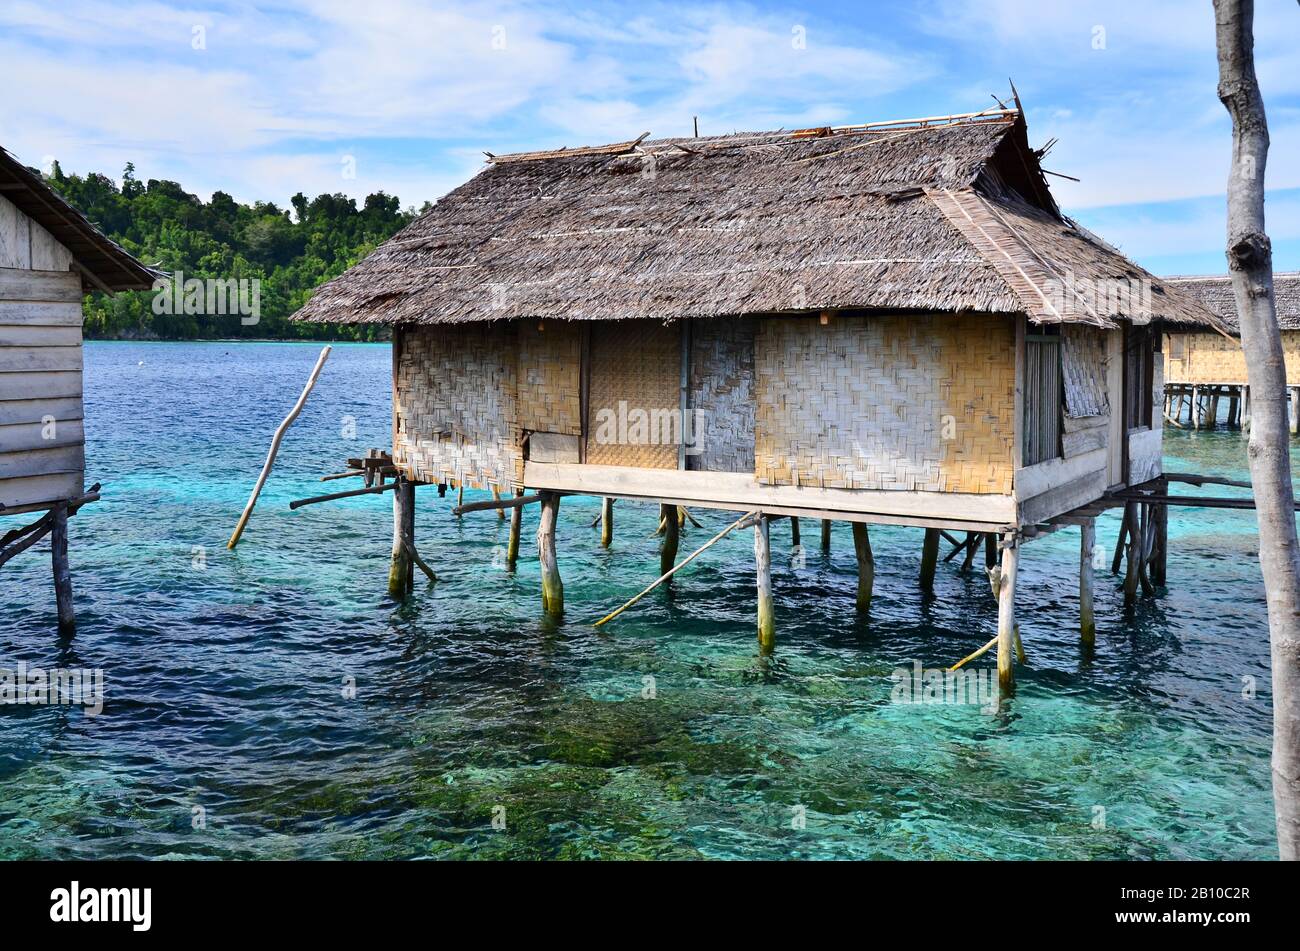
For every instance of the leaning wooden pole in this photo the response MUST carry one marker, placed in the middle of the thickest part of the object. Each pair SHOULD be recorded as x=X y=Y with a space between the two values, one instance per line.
x=552 y=586
x=1087 y=541
x=929 y=558
x=866 y=565
x=763 y=566
x=668 y=543
x=275 y=447
x=62 y=570
x=401 y=568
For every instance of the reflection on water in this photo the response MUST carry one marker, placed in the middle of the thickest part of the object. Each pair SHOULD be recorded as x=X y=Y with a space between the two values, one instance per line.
x=231 y=726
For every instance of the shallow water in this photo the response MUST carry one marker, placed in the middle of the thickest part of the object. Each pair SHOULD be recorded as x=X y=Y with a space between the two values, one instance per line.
x=226 y=731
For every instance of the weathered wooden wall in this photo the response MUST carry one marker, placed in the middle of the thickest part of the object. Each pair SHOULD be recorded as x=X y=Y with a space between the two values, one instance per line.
x=1214 y=358
x=457 y=414
x=722 y=394
x=920 y=403
x=42 y=455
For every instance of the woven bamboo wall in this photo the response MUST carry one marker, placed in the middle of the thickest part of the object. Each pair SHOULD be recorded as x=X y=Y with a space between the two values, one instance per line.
x=722 y=393
x=636 y=363
x=456 y=411
x=1214 y=358
x=908 y=403
x=549 y=387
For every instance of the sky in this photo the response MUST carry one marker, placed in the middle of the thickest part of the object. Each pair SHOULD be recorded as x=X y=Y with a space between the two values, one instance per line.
x=404 y=96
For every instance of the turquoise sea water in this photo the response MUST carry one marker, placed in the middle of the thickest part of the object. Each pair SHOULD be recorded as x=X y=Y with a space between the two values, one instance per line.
x=226 y=732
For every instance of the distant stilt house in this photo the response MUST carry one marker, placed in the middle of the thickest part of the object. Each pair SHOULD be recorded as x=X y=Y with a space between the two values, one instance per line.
x=50 y=256
x=1203 y=366
x=884 y=323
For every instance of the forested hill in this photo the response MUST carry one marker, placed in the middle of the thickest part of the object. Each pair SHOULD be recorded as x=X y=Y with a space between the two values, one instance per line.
x=289 y=250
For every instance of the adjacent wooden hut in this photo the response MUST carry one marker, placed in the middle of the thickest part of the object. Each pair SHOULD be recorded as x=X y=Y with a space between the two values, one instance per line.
x=879 y=323
x=50 y=256
x=1203 y=366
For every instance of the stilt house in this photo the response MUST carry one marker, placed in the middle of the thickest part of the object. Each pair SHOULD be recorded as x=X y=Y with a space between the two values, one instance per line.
x=881 y=323
x=50 y=256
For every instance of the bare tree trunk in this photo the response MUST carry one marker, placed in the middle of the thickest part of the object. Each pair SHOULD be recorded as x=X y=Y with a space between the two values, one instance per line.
x=1250 y=260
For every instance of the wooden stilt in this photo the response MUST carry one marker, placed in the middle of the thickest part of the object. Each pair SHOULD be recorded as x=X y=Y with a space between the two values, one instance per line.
x=1007 y=615
x=826 y=536
x=929 y=558
x=606 y=522
x=516 y=524
x=1087 y=541
x=1196 y=407
x=1234 y=408
x=1134 y=550
x=552 y=586
x=1118 y=557
x=62 y=571
x=866 y=565
x=990 y=550
x=681 y=516
x=763 y=564
x=460 y=496
x=972 y=540
x=794 y=532
x=1146 y=536
x=401 y=570
x=1214 y=409
x=668 y=544
x=1160 y=550
x=496 y=495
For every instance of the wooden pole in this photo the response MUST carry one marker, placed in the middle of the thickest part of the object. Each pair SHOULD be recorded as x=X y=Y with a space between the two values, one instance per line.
x=678 y=567
x=1295 y=410
x=763 y=564
x=1160 y=550
x=929 y=558
x=972 y=538
x=1196 y=407
x=1134 y=550
x=826 y=536
x=401 y=569
x=990 y=550
x=866 y=565
x=512 y=542
x=552 y=586
x=496 y=497
x=275 y=447
x=460 y=499
x=606 y=522
x=1087 y=541
x=1118 y=557
x=794 y=532
x=62 y=571
x=668 y=544
x=1007 y=615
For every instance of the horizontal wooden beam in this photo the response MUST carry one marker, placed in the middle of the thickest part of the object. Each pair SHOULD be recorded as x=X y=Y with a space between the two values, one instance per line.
x=514 y=502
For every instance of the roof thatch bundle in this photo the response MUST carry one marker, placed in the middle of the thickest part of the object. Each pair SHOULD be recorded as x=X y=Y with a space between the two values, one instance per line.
x=949 y=217
x=1215 y=292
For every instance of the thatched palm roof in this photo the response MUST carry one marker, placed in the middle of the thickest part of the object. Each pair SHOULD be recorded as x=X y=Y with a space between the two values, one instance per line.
x=1215 y=292
x=948 y=217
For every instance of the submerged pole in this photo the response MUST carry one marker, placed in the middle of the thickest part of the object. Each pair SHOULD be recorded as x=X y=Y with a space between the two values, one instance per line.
x=62 y=571
x=606 y=522
x=763 y=564
x=512 y=542
x=668 y=543
x=794 y=532
x=929 y=558
x=1007 y=614
x=552 y=586
x=826 y=536
x=1087 y=541
x=1134 y=551
x=401 y=569
x=866 y=564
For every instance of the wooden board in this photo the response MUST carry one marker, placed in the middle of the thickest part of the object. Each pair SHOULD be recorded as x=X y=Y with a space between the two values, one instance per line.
x=41 y=462
x=27 y=359
x=35 y=410
x=553 y=447
x=33 y=335
x=1045 y=476
x=41 y=313
x=43 y=286
x=40 y=384
x=22 y=436
x=15 y=236
x=742 y=490
x=36 y=490
x=47 y=253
